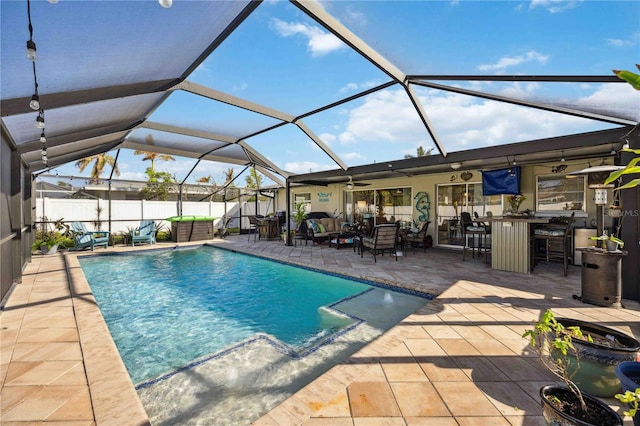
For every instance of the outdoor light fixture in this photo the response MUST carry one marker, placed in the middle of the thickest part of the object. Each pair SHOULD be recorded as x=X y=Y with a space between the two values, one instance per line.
x=40 y=120
x=166 y=3
x=350 y=183
x=34 y=104
x=456 y=166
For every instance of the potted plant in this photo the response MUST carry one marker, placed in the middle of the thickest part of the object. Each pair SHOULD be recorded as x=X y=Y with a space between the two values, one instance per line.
x=555 y=342
x=48 y=240
x=609 y=242
x=515 y=201
x=299 y=214
x=629 y=375
x=631 y=398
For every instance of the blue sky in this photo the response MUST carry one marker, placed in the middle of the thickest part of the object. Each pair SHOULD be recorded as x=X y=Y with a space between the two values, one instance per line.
x=281 y=59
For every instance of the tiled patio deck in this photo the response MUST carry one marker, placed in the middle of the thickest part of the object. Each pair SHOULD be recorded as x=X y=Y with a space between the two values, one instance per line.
x=459 y=360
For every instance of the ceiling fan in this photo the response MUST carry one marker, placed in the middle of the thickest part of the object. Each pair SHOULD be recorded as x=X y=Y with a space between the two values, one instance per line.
x=351 y=183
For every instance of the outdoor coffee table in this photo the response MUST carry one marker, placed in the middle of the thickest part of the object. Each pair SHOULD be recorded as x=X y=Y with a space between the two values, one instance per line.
x=341 y=239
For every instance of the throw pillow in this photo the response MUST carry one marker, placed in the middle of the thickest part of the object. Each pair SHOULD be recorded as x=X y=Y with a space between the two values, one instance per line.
x=321 y=228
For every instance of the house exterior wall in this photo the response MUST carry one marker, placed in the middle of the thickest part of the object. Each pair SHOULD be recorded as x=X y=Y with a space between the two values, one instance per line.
x=331 y=198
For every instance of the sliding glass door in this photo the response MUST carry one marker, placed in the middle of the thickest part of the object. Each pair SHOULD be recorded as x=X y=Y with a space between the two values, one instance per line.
x=370 y=207
x=452 y=200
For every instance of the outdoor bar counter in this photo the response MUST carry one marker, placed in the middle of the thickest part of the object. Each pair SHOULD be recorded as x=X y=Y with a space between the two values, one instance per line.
x=511 y=242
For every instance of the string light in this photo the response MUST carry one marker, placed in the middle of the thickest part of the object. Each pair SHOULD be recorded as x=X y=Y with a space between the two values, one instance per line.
x=34 y=103
x=40 y=120
x=562 y=159
x=626 y=144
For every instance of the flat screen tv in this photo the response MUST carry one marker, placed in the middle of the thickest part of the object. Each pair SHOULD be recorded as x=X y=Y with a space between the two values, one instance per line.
x=502 y=181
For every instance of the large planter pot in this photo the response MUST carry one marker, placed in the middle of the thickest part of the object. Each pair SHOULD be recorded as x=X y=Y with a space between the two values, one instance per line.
x=597 y=360
x=629 y=374
x=45 y=249
x=568 y=411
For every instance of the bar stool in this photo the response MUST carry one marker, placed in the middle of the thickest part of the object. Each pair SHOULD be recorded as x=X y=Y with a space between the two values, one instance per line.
x=469 y=229
x=552 y=235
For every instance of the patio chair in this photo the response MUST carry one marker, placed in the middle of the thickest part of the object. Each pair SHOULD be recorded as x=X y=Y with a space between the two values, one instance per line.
x=83 y=238
x=145 y=233
x=253 y=227
x=385 y=238
x=418 y=239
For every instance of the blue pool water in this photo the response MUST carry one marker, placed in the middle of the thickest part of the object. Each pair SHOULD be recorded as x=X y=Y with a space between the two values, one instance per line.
x=165 y=308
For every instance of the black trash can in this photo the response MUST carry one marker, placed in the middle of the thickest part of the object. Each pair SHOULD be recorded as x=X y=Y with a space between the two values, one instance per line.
x=602 y=278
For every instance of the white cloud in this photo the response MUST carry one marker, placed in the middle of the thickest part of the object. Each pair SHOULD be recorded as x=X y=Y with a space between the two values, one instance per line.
x=387 y=121
x=508 y=62
x=352 y=156
x=240 y=87
x=327 y=138
x=307 y=166
x=554 y=6
x=616 y=42
x=626 y=99
x=138 y=176
x=353 y=87
x=386 y=116
x=319 y=42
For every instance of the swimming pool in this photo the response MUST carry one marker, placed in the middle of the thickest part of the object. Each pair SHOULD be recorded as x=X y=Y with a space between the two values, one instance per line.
x=246 y=326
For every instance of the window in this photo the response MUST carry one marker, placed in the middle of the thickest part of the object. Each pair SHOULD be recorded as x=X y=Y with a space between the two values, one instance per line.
x=377 y=206
x=560 y=194
x=304 y=198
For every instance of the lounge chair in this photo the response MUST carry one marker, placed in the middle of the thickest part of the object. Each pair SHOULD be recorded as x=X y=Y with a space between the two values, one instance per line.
x=84 y=238
x=145 y=233
x=384 y=238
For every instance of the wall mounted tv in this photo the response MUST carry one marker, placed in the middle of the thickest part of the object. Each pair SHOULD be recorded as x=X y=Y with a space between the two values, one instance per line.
x=502 y=181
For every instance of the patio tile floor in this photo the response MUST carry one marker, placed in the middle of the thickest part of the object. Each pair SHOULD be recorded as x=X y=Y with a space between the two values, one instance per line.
x=459 y=360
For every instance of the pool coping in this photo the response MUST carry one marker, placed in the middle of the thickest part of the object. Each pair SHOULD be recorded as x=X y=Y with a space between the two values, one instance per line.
x=113 y=395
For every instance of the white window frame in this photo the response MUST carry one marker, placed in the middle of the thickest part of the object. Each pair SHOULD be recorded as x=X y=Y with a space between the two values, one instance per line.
x=561 y=196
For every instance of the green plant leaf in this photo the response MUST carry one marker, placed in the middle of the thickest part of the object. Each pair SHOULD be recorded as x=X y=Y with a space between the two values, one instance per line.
x=630 y=184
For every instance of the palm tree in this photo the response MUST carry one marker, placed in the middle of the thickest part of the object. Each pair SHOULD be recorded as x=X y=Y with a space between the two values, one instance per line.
x=253 y=179
x=99 y=160
x=206 y=179
x=420 y=151
x=228 y=175
x=152 y=156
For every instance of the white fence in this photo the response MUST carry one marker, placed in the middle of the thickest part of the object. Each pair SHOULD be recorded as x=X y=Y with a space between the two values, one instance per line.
x=127 y=214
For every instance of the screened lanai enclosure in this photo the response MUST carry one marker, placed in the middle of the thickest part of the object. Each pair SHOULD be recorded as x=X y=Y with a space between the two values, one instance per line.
x=307 y=92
